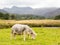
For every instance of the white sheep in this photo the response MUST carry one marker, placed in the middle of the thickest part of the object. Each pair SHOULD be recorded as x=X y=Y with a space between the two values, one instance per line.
x=19 y=29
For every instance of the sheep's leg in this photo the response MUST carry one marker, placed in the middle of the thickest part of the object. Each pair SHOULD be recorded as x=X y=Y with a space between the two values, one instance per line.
x=11 y=36
x=28 y=36
x=24 y=33
x=14 y=35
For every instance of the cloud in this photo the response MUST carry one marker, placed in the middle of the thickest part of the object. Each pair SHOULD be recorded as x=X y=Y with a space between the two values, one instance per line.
x=31 y=3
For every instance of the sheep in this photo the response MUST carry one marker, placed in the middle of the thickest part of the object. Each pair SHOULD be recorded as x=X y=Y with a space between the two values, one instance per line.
x=20 y=29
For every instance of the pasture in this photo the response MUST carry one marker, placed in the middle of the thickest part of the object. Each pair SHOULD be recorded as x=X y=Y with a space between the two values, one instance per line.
x=45 y=36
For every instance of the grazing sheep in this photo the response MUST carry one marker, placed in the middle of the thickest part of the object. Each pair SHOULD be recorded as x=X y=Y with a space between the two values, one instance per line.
x=19 y=29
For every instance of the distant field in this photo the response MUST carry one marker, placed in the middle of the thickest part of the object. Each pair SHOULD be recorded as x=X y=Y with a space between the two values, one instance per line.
x=45 y=36
x=32 y=23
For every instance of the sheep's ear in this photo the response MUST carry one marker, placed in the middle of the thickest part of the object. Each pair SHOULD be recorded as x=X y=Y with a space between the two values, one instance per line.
x=35 y=34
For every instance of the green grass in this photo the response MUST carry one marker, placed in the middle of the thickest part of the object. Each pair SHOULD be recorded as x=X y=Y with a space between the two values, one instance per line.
x=45 y=36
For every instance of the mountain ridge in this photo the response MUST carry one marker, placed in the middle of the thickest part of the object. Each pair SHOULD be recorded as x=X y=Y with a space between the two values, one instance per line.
x=47 y=12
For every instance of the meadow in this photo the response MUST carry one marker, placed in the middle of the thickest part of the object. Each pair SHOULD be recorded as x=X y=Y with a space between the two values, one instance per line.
x=45 y=36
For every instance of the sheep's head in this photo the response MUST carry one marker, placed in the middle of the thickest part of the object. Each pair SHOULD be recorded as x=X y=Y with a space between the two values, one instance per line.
x=33 y=34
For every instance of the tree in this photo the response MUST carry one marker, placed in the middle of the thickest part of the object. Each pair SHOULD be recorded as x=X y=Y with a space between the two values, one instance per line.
x=6 y=16
x=57 y=17
x=1 y=15
x=12 y=16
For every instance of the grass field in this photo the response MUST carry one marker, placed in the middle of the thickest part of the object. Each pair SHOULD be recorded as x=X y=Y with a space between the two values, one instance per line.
x=45 y=36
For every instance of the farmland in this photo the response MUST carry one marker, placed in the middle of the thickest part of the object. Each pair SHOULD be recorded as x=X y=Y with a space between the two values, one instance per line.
x=45 y=36
x=32 y=23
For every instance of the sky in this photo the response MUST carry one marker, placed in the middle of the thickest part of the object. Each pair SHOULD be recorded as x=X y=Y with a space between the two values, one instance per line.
x=29 y=3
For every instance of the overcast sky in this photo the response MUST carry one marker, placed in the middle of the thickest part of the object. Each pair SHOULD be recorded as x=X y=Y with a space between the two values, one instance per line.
x=30 y=3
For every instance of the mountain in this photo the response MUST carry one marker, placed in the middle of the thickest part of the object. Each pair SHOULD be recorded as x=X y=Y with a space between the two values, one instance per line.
x=53 y=13
x=47 y=12
x=1 y=10
x=43 y=11
x=19 y=10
